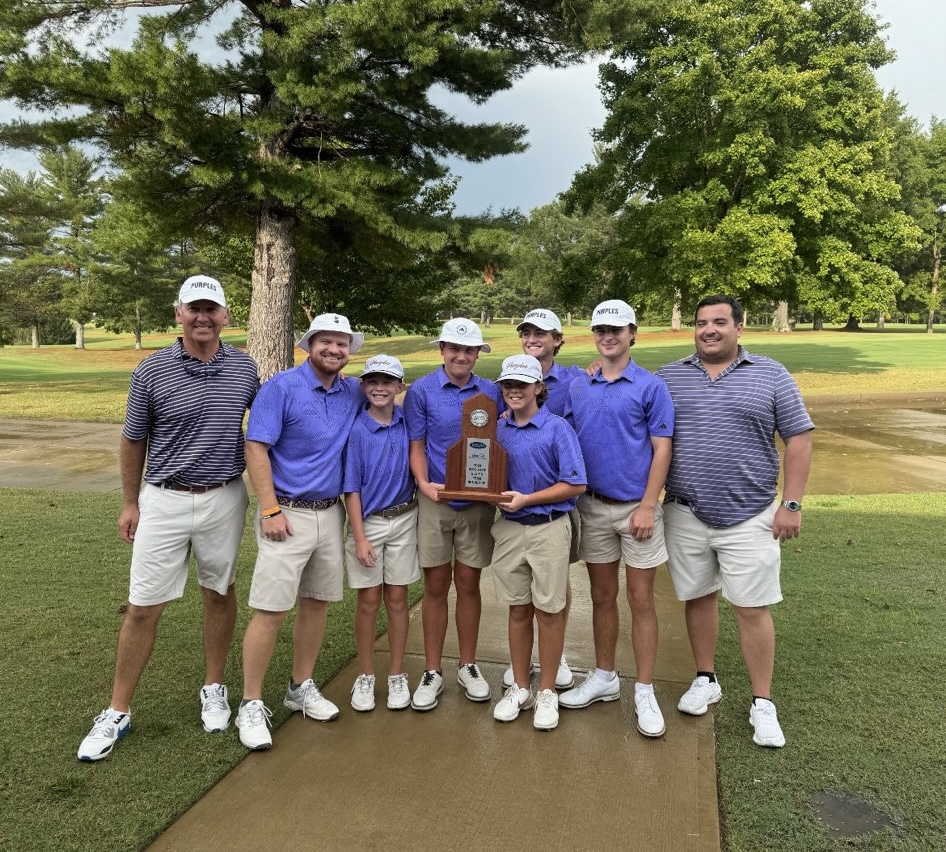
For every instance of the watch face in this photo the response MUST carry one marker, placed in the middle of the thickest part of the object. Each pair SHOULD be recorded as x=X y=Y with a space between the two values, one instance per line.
x=792 y=505
x=479 y=417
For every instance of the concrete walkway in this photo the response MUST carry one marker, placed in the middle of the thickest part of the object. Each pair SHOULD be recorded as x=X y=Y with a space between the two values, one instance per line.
x=452 y=777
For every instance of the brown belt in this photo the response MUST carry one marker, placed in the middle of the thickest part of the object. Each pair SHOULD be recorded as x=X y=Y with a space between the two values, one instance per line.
x=315 y=505
x=194 y=489
x=395 y=511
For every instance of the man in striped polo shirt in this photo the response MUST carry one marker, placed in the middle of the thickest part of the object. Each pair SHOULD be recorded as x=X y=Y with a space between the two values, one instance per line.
x=185 y=415
x=723 y=522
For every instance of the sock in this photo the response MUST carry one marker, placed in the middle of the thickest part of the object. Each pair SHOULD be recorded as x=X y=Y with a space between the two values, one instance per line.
x=605 y=675
x=710 y=675
x=643 y=688
x=756 y=698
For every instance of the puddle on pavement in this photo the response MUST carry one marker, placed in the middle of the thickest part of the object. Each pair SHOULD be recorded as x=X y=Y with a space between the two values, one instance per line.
x=878 y=448
x=848 y=816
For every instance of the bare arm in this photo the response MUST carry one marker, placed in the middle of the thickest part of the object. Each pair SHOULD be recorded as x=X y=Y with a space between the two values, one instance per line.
x=131 y=456
x=797 y=463
x=641 y=525
x=260 y=470
x=363 y=549
x=418 y=461
x=553 y=494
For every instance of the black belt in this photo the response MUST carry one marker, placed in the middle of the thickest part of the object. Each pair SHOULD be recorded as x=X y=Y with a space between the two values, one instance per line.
x=594 y=495
x=535 y=520
x=315 y=505
x=672 y=498
x=194 y=489
x=395 y=511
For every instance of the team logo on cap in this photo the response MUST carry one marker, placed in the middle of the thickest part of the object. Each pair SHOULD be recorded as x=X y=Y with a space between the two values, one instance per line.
x=462 y=329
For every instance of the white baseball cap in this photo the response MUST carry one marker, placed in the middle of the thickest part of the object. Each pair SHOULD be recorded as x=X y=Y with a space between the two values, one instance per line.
x=541 y=318
x=201 y=287
x=332 y=322
x=388 y=365
x=521 y=368
x=613 y=312
x=462 y=332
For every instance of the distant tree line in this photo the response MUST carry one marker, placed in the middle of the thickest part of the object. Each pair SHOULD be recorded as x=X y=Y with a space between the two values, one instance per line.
x=747 y=148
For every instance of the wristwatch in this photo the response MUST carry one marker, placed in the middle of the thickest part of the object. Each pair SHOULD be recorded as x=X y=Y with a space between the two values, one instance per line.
x=791 y=505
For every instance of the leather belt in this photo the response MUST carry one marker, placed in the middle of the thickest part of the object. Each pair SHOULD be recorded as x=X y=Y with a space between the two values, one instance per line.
x=315 y=505
x=194 y=489
x=671 y=498
x=594 y=495
x=395 y=511
x=535 y=520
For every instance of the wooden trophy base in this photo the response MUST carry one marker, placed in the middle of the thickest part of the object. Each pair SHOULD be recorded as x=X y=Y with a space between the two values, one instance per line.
x=477 y=466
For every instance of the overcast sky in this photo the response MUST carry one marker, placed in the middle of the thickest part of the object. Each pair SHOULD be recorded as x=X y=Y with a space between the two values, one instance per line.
x=561 y=108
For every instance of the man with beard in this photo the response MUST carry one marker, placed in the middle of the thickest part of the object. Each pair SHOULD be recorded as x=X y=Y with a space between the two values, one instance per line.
x=294 y=448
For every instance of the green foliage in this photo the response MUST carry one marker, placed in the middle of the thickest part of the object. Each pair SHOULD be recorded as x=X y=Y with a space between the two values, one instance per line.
x=746 y=150
x=311 y=127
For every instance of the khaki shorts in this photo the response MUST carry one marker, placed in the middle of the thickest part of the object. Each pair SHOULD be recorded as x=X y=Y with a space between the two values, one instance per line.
x=606 y=536
x=443 y=533
x=743 y=560
x=308 y=564
x=530 y=563
x=171 y=525
x=395 y=543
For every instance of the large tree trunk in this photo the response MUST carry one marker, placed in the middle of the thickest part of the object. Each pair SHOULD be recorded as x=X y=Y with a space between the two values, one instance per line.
x=80 y=334
x=853 y=324
x=817 y=323
x=881 y=321
x=270 y=338
x=34 y=335
x=676 y=315
x=780 y=318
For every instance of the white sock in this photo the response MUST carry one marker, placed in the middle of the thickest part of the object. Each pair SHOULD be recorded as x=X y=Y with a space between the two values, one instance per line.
x=605 y=675
x=643 y=688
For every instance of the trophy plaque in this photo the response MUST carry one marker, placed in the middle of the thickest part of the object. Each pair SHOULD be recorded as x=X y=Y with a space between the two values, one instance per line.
x=477 y=464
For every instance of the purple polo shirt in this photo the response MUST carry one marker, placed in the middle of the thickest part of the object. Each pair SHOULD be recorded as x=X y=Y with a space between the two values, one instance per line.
x=725 y=463
x=542 y=452
x=306 y=428
x=376 y=463
x=433 y=407
x=557 y=381
x=615 y=421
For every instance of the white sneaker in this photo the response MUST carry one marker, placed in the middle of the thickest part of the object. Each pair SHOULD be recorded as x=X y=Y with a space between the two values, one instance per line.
x=564 y=679
x=516 y=698
x=307 y=698
x=697 y=699
x=214 y=707
x=593 y=688
x=253 y=723
x=509 y=678
x=428 y=690
x=764 y=720
x=545 y=717
x=399 y=692
x=650 y=721
x=107 y=729
x=362 y=693
x=469 y=677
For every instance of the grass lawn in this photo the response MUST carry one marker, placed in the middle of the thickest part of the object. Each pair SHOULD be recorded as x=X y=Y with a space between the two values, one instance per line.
x=860 y=634
x=861 y=652
x=63 y=383
x=65 y=582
